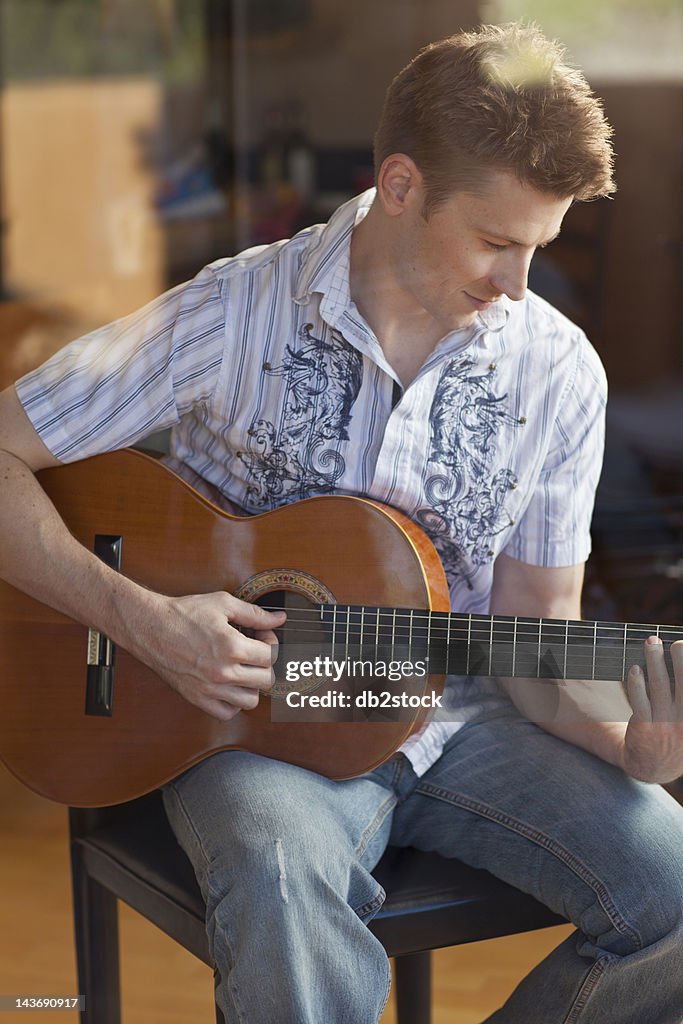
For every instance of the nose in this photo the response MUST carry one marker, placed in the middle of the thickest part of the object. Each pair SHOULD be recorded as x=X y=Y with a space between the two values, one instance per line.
x=510 y=276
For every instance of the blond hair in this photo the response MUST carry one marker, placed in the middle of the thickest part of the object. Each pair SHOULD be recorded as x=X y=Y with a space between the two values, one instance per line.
x=501 y=97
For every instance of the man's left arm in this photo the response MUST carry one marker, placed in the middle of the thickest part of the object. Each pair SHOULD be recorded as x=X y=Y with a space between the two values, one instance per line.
x=639 y=728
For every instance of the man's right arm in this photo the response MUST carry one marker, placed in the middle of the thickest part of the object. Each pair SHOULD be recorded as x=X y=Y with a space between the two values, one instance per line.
x=189 y=641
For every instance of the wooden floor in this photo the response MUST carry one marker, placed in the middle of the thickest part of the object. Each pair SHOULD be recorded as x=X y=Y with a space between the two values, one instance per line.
x=162 y=984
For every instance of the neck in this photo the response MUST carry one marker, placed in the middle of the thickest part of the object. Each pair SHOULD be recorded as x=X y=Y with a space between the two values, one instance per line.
x=486 y=645
x=405 y=331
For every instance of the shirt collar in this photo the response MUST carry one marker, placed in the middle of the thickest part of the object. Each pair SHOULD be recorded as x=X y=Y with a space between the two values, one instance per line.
x=321 y=264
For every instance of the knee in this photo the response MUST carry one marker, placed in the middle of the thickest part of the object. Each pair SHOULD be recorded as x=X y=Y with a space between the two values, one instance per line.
x=644 y=897
x=660 y=896
x=291 y=866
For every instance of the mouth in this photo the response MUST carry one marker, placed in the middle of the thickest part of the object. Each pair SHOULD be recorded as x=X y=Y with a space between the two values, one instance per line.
x=480 y=303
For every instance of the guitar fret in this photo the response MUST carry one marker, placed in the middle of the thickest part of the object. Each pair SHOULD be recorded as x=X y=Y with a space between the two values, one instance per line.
x=448 y=643
x=514 y=646
x=469 y=643
x=595 y=645
x=334 y=629
x=346 y=641
x=362 y=627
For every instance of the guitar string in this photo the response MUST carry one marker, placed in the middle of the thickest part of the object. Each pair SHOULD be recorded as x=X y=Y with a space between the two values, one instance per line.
x=500 y=625
x=579 y=654
x=381 y=639
x=314 y=612
x=499 y=634
x=591 y=653
x=580 y=661
x=588 y=656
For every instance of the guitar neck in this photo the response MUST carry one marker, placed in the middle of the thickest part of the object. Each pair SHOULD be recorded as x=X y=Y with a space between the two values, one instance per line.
x=491 y=645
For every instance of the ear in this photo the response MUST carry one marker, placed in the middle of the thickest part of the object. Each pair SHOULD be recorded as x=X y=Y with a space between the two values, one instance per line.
x=399 y=184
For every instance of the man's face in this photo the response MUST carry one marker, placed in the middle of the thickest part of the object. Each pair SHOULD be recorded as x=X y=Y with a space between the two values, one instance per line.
x=474 y=248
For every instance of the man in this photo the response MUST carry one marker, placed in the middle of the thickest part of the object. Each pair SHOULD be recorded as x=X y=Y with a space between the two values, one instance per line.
x=393 y=352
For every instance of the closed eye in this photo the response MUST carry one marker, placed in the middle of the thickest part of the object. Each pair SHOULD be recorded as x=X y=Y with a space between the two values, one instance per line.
x=495 y=246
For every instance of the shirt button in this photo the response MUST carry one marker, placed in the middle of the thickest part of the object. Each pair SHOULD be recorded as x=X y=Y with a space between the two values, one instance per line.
x=492 y=366
x=522 y=420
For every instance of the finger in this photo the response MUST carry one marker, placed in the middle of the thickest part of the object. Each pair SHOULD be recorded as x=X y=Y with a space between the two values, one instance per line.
x=244 y=698
x=217 y=708
x=676 y=650
x=274 y=644
x=252 y=616
x=637 y=694
x=266 y=636
x=251 y=678
x=247 y=650
x=658 y=681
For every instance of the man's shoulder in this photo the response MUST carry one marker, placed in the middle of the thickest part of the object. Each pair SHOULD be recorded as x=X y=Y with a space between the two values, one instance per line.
x=541 y=314
x=303 y=261
x=285 y=255
x=535 y=319
x=547 y=334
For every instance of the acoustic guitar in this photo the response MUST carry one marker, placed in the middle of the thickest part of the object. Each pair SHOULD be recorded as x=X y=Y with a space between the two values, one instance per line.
x=368 y=641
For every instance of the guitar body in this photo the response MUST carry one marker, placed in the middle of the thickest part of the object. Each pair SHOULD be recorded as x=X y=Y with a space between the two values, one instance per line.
x=330 y=549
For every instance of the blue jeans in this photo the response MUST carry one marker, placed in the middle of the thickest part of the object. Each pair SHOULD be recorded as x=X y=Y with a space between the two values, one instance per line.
x=284 y=858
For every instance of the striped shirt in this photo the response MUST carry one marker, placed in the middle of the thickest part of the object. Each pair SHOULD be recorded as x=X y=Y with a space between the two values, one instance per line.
x=276 y=389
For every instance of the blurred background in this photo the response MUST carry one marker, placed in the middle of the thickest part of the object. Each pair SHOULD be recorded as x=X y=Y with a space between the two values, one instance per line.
x=141 y=139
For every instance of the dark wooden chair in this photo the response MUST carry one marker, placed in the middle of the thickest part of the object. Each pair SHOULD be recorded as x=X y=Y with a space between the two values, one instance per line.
x=128 y=852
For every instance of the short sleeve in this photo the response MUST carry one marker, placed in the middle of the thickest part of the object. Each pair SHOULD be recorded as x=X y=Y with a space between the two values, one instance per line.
x=137 y=375
x=554 y=529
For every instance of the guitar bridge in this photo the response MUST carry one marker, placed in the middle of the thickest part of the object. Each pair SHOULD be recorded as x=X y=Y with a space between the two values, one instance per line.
x=99 y=684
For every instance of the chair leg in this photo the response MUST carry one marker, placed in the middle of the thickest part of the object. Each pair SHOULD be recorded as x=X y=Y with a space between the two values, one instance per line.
x=413 y=974
x=97 y=946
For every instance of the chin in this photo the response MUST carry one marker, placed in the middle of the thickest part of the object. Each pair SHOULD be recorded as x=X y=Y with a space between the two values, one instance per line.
x=462 y=320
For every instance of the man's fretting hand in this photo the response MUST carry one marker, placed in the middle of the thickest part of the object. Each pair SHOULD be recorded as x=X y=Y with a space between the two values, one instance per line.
x=653 y=744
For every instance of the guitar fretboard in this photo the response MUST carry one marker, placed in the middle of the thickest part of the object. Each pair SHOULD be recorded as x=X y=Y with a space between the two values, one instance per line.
x=484 y=645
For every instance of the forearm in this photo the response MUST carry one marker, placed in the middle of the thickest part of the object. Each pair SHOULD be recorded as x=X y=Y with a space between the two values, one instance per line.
x=599 y=717
x=39 y=556
x=590 y=714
